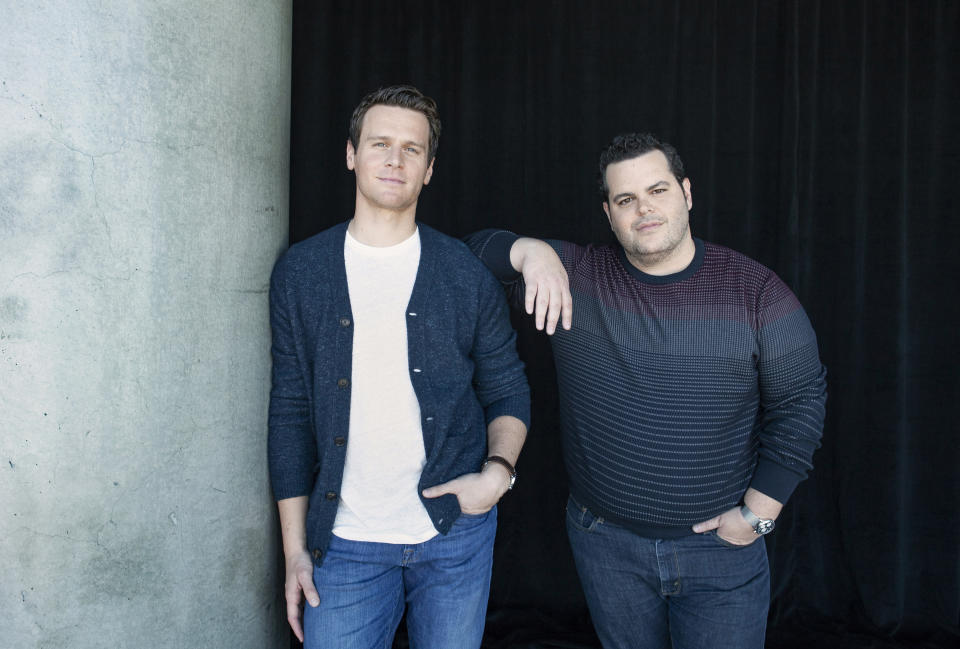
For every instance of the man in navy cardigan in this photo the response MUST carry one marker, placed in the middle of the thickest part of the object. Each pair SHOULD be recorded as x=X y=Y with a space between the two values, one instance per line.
x=398 y=407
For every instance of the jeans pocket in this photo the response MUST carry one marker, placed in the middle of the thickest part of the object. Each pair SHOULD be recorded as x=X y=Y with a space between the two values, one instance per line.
x=727 y=544
x=475 y=519
x=581 y=517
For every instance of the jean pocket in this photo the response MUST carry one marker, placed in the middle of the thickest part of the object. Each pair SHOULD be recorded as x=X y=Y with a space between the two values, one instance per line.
x=727 y=544
x=477 y=516
x=581 y=517
x=475 y=519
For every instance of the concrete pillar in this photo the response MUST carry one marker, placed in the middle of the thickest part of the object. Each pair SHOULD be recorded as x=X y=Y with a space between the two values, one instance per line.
x=143 y=201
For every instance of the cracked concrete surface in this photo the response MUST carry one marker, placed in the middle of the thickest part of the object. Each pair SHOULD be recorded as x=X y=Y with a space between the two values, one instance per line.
x=143 y=201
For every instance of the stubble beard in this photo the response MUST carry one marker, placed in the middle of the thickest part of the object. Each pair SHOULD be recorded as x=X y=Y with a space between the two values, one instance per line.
x=653 y=256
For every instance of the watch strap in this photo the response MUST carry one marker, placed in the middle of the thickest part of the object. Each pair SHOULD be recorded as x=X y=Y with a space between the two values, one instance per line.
x=760 y=526
x=496 y=459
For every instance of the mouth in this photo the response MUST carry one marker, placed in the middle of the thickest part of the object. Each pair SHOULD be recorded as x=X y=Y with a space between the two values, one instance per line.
x=392 y=181
x=647 y=226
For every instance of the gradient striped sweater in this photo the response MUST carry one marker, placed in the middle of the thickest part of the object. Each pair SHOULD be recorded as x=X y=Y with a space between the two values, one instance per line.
x=678 y=392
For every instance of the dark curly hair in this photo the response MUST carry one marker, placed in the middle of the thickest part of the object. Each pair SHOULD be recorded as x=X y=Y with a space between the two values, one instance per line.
x=404 y=96
x=633 y=145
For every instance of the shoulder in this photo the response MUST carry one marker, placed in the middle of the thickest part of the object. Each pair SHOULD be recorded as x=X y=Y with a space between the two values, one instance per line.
x=735 y=270
x=313 y=251
x=451 y=254
x=719 y=259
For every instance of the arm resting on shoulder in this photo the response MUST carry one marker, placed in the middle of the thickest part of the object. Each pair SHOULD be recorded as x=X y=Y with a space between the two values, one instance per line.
x=546 y=292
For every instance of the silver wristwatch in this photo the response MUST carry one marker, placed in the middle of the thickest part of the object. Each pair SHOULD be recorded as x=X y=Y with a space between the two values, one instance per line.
x=760 y=525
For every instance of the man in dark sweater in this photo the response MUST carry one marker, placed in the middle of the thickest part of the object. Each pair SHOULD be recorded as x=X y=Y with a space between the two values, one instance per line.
x=692 y=399
x=398 y=409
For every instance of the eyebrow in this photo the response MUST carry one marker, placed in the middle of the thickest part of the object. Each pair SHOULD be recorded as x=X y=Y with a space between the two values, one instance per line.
x=659 y=183
x=388 y=138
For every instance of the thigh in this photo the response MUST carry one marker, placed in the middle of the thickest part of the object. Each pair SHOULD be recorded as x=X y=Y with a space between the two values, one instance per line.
x=361 y=597
x=620 y=578
x=448 y=583
x=724 y=594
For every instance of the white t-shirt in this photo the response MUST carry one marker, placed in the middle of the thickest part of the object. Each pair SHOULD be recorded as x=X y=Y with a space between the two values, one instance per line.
x=379 y=497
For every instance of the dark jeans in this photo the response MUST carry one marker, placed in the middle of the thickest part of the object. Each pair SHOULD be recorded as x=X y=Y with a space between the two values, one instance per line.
x=694 y=592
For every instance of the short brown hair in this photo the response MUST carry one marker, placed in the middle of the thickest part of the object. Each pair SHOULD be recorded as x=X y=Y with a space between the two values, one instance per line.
x=404 y=96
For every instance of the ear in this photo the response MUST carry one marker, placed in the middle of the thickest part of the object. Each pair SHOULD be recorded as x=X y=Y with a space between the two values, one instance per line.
x=429 y=174
x=606 y=209
x=686 y=193
x=350 y=155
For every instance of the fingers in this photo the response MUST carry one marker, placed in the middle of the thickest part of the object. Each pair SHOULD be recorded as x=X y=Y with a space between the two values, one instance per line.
x=543 y=306
x=476 y=493
x=309 y=590
x=567 y=307
x=706 y=526
x=293 y=610
x=441 y=489
x=549 y=303
x=560 y=309
x=299 y=581
x=530 y=297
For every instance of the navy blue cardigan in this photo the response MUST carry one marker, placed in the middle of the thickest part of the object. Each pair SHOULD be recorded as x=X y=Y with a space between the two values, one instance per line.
x=463 y=366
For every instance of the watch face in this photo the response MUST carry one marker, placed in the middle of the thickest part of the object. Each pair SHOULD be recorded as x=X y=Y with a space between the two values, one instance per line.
x=764 y=526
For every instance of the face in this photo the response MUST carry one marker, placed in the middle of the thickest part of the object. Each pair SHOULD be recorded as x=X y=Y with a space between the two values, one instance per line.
x=649 y=212
x=390 y=160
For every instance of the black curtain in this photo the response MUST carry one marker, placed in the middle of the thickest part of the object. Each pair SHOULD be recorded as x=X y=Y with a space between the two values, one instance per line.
x=821 y=139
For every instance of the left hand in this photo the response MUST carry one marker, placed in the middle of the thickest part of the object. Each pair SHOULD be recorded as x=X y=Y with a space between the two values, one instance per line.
x=731 y=526
x=477 y=492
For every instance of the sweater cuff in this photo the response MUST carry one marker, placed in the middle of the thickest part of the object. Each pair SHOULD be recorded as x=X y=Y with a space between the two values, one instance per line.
x=771 y=479
x=515 y=406
x=496 y=256
x=287 y=488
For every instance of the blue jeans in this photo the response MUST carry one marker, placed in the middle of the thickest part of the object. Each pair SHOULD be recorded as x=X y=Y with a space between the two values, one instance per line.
x=444 y=584
x=697 y=591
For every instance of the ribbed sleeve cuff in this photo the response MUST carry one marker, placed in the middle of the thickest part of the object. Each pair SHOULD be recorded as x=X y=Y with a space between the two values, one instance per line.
x=515 y=406
x=287 y=488
x=771 y=479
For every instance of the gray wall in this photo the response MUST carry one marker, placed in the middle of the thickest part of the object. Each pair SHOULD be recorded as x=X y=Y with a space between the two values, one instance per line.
x=143 y=201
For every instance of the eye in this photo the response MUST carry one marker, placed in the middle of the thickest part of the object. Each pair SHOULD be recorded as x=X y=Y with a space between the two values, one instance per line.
x=412 y=150
x=659 y=190
x=625 y=201
x=380 y=145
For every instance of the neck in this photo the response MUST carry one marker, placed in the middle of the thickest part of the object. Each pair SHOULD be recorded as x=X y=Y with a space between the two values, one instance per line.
x=382 y=228
x=667 y=262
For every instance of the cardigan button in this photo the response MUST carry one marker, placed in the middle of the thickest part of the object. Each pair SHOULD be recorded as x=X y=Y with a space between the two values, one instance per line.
x=344 y=322
x=331 y=495
x=342 y=383
x=339 y=441
x=317 y=554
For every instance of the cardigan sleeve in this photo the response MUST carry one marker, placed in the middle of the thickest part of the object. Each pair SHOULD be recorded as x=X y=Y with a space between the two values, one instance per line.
x=291 y=447
x=499 y=380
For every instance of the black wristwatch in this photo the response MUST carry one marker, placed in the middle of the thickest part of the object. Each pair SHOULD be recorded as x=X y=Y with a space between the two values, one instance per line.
x=501 y=461
x=760 y=526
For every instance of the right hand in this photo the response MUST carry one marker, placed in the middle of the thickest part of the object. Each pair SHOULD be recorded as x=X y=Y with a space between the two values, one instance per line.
x=547 y=286
x=299 y=580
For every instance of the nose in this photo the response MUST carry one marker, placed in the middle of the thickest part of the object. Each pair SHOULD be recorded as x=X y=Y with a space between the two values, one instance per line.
x=394 y=157
x=642 y=206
